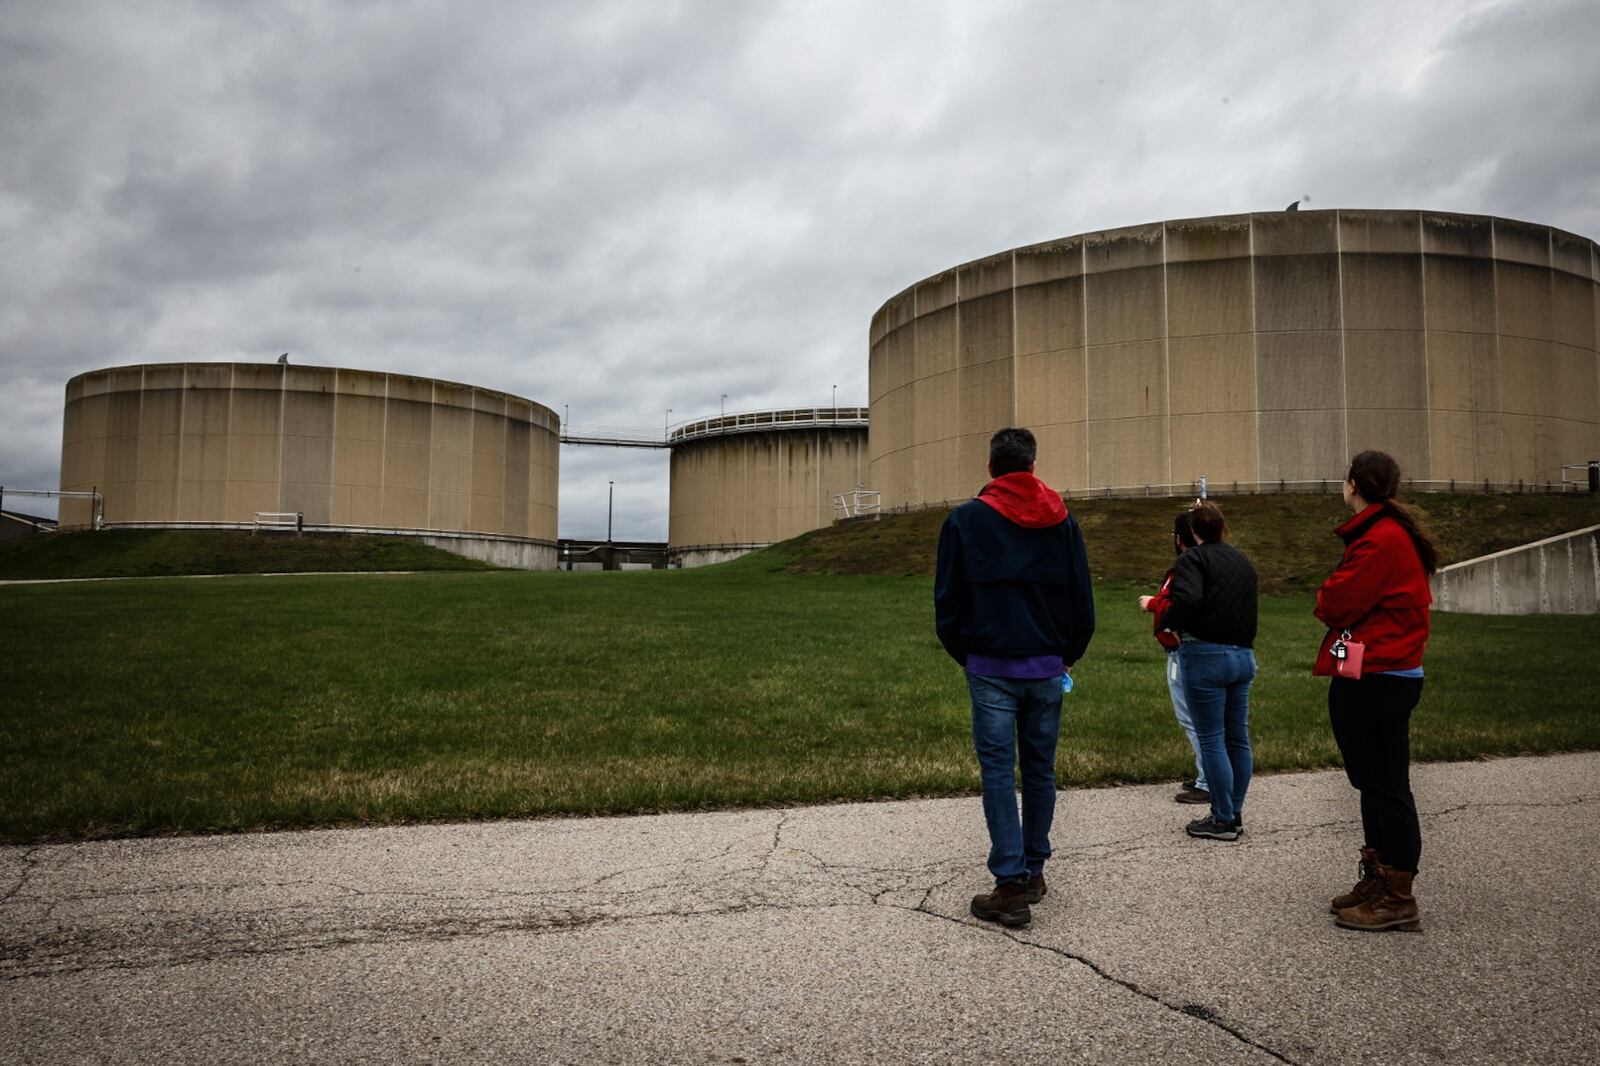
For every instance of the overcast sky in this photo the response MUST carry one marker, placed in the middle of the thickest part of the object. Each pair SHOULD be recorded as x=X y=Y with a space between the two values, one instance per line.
x=626 y=207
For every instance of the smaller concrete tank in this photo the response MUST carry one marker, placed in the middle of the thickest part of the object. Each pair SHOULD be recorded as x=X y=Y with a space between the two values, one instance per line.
x=743 y=481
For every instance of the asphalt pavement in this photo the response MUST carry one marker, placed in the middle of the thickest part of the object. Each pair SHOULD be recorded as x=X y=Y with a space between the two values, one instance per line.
x=834 y=934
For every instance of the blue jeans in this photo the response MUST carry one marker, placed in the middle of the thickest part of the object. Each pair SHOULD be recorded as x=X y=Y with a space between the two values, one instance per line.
x=1216 y=683
x=1180 y=707
x=1017 y=723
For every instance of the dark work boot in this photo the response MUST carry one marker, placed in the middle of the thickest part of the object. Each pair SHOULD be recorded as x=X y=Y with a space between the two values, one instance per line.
x=1037 y=889
x=1368 y=885
x=1393 y=907
x=1007 y=904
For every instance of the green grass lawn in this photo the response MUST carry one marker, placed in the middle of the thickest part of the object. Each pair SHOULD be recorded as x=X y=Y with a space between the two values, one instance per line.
x=188 y=706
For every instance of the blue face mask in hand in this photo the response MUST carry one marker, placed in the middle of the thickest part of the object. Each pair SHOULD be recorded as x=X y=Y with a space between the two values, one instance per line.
x=1066 y=684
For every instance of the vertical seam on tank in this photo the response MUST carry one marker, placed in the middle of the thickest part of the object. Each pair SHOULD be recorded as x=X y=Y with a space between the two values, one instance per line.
x=1427 y=372
x=383 y=449
x=1494 y=308
x=138 y=504
x=1255 y=339
x=505 y=459
x=333 y=443
x=472 y=454
x=1014 y=418
x=283 y=385
x=427 y=497
x=1083 y=321
x=1166 y=357
x=1344 y=367
x=960 y=392
x=908 y=459
x=1551 y=354
x=227 y=439
x=183 y=396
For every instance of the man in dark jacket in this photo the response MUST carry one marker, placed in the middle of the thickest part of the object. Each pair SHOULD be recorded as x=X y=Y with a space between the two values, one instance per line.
x=1013 y=606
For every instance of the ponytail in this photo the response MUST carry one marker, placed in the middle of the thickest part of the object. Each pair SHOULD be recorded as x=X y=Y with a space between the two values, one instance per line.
x=1427 y=550
x=1376 y=477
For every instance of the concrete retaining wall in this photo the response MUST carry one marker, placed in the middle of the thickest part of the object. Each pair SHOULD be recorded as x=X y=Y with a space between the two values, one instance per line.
x=1560 y=575
x=516 y=554
x=716 y=553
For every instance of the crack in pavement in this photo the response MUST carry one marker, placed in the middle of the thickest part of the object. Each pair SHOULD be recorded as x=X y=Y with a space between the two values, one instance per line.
x=432 y=931
x=30 y=859
x=777 y=839
x=160 y=939
x=216 y=946
x=1195 y=1011
x=1191 y=1010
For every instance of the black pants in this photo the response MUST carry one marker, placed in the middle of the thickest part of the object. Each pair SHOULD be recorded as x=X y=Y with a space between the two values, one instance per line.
x=1372 y=725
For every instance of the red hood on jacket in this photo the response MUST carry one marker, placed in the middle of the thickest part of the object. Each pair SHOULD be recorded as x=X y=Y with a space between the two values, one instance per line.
x=1025 y=500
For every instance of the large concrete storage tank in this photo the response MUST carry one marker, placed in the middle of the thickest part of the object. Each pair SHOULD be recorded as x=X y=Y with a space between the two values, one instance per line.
x=740 y=482
x=213 y=444
x=1260 y=349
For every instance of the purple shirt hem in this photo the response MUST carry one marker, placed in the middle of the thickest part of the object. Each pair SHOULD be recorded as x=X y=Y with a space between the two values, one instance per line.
x=1028 y=668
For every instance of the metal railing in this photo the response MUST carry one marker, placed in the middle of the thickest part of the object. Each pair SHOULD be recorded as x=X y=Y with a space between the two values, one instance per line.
x=767 y=421
x=857 y=503
x=1216 y=487
x=284 y=520
x=718 y=426
x=97 y=502
x=328 y=527
x=1586 y=481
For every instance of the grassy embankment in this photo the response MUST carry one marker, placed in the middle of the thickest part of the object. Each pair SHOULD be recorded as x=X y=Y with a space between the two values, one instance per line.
x=154 y=707
x=1289 y=536
x=176 y=552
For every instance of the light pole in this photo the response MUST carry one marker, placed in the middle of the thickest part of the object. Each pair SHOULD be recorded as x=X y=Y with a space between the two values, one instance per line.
x=724 y=405
x=836 y=401
x=611 y=490
x=666 y=425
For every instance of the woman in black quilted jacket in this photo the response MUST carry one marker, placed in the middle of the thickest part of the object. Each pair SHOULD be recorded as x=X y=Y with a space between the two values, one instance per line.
x=1214 y=611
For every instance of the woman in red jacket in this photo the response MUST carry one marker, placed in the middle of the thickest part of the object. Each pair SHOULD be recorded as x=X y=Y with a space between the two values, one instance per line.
x=1375 y=605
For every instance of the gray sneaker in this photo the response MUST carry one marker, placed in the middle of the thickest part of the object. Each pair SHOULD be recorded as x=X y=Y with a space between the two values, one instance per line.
x=1190 y=794
x=1212 y=829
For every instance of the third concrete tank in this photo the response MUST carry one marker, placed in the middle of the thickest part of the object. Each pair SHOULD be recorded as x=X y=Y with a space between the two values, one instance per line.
x=1253 y=348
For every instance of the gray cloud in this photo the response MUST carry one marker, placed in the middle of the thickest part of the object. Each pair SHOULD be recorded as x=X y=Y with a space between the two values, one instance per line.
x=630 y=207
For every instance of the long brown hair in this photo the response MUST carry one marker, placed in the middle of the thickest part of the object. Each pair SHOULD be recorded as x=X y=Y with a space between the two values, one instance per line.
x=1206 y=522
x=1376 y=477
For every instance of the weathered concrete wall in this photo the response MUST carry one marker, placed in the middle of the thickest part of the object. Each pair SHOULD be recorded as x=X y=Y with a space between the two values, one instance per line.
x=1560 y=575
x=218 y=442
x=692 y=557
x=1248 y=348
x=759 y=488
x=516 y=554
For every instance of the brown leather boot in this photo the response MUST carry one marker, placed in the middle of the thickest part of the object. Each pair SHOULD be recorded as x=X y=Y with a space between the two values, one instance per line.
x=1369 y=885
x=1037 y=889
x=1393 y=908
x=1007 y=904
